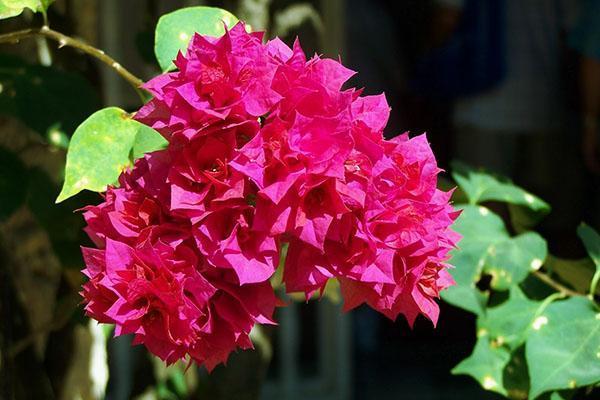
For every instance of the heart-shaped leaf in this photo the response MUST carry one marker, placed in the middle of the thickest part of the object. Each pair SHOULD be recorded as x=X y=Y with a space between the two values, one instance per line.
x=563 y=348
x=487 y=247
x=101 y=148
x=486 y=364
x=175 y=29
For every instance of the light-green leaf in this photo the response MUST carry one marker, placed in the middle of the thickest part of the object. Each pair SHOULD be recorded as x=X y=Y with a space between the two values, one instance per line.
x=563 y=348
x=100 y=149
x=480 y=186
x=12 y=8
x=591 y=241
x=486 y=364
x=175 y=29
x=146 y=141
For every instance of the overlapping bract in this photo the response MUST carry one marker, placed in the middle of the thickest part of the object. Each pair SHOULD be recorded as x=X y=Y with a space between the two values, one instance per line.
x=265 y=148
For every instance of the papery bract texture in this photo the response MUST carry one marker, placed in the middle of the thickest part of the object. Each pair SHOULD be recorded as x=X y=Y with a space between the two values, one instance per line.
x=266 y=148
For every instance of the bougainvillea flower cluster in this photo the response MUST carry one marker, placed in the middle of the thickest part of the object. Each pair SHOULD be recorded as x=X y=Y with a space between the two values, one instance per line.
x=266 y=149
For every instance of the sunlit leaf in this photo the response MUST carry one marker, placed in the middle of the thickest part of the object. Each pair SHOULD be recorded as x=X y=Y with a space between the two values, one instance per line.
x=563 y=348
x=100 y=149
x=175 y=29
x=12 y=8
x=480 y=186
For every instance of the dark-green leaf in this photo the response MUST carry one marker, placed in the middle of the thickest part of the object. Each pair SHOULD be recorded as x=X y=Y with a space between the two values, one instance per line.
x=509 y=261
x=175 y=29
x=509 y=323
x=591 y=240
x=486 y=364
x=563 y=348
x=100 y=149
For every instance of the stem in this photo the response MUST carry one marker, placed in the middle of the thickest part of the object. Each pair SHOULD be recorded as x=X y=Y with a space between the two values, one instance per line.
x=555 y=285
x=64 y=40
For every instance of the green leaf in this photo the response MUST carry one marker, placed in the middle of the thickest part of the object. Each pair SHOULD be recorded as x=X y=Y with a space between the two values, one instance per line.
x=591 y=241
x=100 y=149
x=108 y=330
x=146 y=141
x=487 y=247
x=13 y=183
x=563 y=348
x=508 y=323
x=45 y=98
x=480 y=186
x=479 y=228
x=486 y=364
x=12 y=8
x=175 y=29
x=509 y=261
x=45 y=4
x=177 y=378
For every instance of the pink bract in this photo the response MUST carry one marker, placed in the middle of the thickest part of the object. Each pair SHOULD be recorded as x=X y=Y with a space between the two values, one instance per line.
x=266 y=147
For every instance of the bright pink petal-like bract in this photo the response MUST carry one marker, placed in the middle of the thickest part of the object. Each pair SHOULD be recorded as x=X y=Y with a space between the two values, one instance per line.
x=266 y=149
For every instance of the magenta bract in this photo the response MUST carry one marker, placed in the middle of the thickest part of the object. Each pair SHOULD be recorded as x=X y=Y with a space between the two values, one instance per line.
x=265 y=148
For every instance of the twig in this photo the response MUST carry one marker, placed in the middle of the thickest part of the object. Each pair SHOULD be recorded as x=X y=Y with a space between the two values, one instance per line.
x=555 y=285
x=64 y=40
